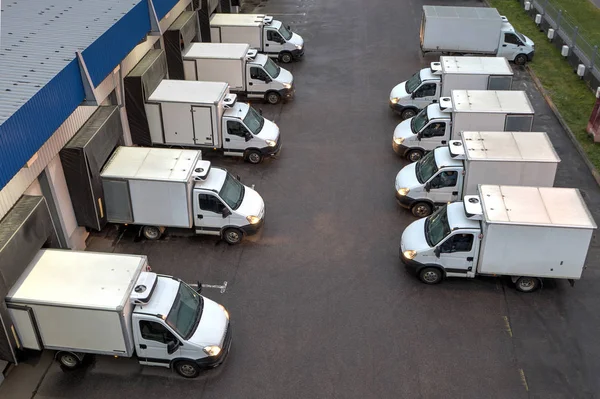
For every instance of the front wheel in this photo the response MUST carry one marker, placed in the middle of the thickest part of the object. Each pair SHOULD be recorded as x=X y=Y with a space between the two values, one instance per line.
x=521 y=59
x=254 y=157
x=431 y=275
x=414 y=155
x=187 y=369
x=68 y=360
x=232 y=236
x=151 y=232
x=273 y=97
x=528 y=284
x=408 y=113
x=286 y=58
x=421 y=209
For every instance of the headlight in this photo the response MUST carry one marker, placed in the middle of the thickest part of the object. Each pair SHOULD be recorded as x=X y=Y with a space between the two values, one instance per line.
x=398 y=140
x=299 y=47
x=409 y=254
x=394 y=100
x=253 y=219
x=224 y=311
x=271 y=143
x=212 y=350
x=403 y=191
x=287 y=86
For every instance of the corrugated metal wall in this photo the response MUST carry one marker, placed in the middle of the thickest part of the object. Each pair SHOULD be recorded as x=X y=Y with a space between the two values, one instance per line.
x=28 y=129
x=102 y=56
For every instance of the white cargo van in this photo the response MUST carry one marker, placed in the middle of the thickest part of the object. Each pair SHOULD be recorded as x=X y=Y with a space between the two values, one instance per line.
x=450 y=73
x=206 y=115
x=528 y=233
x=447 y=174
x=262 y=32
x=465 y=110
x=87 y=303
x=471 y=31
x=156 y=188
x=248 y=73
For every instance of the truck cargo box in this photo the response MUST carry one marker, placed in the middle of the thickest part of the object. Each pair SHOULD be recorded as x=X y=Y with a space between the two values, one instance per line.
x=460 y=29
x=474 y=73
x=150 y=186
x=217 y=62
x=558 y=219
x=78 y=301
x=238 y=28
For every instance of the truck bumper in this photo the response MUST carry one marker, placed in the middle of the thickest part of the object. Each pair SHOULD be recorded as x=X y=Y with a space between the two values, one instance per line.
x=404 y=201
x=252 y=229
x=297 y=54
x=214 y=361
x=412 y=264
x=399 y=149
x=530 y=56
x=272 y=151
x=287 y=94
x=397 y=107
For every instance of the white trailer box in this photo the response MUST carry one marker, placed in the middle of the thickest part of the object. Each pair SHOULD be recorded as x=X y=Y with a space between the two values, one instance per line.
x=78 y=301
x=217 y=62
x=557 y=218
x=180 y=111
x=520 y=159
x=149 y=186
x=238 y=28
x=460 y=29
x=476 y=110
x=473 y=73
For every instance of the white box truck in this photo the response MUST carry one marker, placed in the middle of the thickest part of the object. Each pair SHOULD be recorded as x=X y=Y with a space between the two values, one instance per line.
x=156 y=188
x=86 y=303
x=528 y=233
x=206 y=115
x=450 y=73
x=449 y=173
x=464 y=110
x=248 y=73
x=472 y=31
x=262 y=32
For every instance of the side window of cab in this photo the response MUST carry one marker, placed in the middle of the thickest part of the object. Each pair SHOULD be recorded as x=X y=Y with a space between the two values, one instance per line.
x=458 y=243
x=435 y=129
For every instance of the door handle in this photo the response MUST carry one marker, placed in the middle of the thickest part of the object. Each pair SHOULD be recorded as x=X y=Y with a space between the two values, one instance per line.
x=504 y=45
x=250 y=84
x=434 y=101
x=267 y=44
x=470 y=259
x=227 y=139
x=443 y=141
x=454 y=192
x=199 y=216
x=143 y=346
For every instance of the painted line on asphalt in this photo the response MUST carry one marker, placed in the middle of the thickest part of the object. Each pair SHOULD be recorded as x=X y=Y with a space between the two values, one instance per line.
x=507 y=324
x=523 y=379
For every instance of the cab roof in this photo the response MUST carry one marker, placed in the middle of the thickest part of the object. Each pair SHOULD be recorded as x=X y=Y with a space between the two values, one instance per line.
x=457 y=218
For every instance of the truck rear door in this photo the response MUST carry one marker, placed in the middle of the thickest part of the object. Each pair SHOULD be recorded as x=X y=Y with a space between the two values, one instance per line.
x=204 y=130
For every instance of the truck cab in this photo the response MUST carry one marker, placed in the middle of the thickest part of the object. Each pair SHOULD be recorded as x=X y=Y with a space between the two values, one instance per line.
x=246 y=133
x=436 y=178
x=265 y=79
x=223 y=206
x=422 y=89
x=174 y=326
x=280 y=42
x=428 y=130
x=514 y=46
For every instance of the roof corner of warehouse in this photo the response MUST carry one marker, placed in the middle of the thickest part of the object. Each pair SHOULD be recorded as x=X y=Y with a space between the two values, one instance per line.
x=41 y=82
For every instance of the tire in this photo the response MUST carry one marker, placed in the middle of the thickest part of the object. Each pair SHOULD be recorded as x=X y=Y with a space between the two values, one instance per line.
x=254 y=157
x=151 y=233
x=414 y=155
x=527 y=284
x=408 y=113
x=233 y=236
x=431 y=275
x=521 y=59
x=286 y=57
x=68 y=360
x=187 y=369
x=272 y=97
x=421 y=209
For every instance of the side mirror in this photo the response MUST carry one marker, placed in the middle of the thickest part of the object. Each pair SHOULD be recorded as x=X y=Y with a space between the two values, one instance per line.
x=427 y=186
x=199 y=287
x=248 y=136
x=238 y=178
x=419 y=136
x=172 y=346
x=437 y=251
x=413 y=95
x=268 y=80
x=226 y=212
x=260 y=111
x=288 y=28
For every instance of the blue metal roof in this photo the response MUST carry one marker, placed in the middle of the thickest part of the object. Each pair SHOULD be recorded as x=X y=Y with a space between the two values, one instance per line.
x=40 y=83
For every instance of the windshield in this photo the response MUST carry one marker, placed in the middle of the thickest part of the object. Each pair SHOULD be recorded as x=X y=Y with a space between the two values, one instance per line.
x=232 y=192
x=426 y=167
x=272 y=68
x=285 y=32
x=186 y=311
x=418 y=122
x=254 y=121
x=437 y=227
x=413 y=82
x=521 y=36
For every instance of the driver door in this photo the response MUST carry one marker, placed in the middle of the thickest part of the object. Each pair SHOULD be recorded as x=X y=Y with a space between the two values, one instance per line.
x=457 y=253
x=273 y=41
x=208 y=213
x=236 y=136
x=443 y=187
x=424 y=95
x=433 y=135
x=151 y=347
x=510 y=47
x=259 y=81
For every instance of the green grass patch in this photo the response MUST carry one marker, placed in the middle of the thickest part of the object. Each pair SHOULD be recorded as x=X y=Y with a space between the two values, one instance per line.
x=585 y=15
x=570 y=94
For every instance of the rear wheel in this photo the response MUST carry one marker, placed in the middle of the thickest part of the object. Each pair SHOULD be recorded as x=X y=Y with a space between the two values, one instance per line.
x=286 y=58
x=233 y=236
x=68 y=360
x=273 y=97
x=421 y=209
x=521 y=59
x=151 y=232
x=414 y=155
x=187 y=369
x=254 y=157
x=528 y=284
x=431 y=275
x=408 y=113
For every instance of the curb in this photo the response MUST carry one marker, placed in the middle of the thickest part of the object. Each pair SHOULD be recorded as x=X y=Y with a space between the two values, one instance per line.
x=570 y=133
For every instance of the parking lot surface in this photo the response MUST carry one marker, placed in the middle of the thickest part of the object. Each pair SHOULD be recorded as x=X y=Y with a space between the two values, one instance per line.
x=320 y=304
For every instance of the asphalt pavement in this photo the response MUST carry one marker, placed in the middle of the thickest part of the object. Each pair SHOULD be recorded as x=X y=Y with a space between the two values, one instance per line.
x=320 y=304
